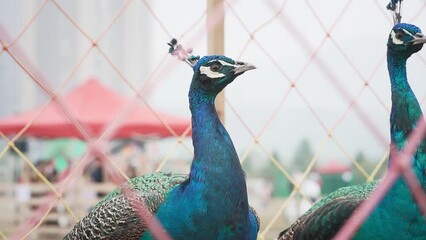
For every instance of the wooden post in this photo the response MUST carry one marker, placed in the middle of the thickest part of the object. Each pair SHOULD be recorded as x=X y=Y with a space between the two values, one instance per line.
x=215 y=42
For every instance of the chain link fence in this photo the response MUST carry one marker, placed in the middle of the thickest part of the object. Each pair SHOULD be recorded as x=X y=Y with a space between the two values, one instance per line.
x=314 y=115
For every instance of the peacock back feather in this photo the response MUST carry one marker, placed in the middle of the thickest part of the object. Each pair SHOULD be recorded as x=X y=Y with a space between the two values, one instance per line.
x=113 y=216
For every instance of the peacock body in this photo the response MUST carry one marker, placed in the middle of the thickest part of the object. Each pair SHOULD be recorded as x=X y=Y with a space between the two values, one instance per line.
x=209 y=203
x=397 y=216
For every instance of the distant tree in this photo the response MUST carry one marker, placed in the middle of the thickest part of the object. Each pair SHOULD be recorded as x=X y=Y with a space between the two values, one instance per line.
x=282 y=186
x=248 y=166
x=256 y=164
x=362 y=160
x=269 y=171
x=302 y=156
x=368 y=165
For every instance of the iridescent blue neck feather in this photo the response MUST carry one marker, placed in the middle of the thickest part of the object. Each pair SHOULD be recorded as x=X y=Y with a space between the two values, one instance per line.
x=215 y=193
x=398 y=212
x=216 y=168
x=405 y=110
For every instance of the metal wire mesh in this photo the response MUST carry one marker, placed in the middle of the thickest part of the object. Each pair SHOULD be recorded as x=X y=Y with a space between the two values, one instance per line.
x=322 y=74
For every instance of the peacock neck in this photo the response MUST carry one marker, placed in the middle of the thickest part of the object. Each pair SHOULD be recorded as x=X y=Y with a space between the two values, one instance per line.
x=213 y=200
x=405 y=110
x=397 y=73
x=216 y=171
x=212 y=143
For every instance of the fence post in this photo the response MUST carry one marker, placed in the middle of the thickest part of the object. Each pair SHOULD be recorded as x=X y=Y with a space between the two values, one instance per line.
x=215 y=42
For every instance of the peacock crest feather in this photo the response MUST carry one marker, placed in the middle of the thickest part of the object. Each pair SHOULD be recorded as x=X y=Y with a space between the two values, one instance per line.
x=395 y=6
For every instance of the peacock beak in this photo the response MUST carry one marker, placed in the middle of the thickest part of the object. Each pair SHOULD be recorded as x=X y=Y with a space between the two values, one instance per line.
x=241 y=67
x=419 y=38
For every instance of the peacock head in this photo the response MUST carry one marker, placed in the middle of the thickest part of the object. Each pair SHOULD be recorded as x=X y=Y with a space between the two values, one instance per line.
x=405 y=39
x=213 y=73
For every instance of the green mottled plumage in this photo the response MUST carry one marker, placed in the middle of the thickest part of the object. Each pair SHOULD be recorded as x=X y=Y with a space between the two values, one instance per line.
x=327 y=216
x=397 y=216
x=113 y=216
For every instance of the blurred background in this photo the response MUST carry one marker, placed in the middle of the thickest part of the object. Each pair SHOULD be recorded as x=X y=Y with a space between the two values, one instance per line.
x=90 y=94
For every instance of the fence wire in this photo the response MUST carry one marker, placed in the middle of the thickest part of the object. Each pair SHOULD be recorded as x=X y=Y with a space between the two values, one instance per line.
x=318 y=79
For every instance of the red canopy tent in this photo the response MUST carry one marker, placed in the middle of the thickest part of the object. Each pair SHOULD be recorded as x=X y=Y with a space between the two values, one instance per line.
x=94 y=106
x=333 y=167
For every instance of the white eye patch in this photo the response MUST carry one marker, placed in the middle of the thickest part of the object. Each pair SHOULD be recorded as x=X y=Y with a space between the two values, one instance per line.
x=396 y=40
x=209 y=73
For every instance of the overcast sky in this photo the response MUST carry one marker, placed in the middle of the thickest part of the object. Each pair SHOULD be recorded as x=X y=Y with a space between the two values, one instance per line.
x=361 y=35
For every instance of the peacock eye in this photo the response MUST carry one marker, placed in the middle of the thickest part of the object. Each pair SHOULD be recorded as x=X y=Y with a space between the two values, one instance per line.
x=399 y=35
x=215 y=67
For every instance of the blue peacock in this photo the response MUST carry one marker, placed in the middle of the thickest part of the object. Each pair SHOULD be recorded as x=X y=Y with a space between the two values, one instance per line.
x=209 y=203
x=397 y=216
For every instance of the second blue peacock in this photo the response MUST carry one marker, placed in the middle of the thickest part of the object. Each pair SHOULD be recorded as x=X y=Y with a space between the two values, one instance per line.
x=397 y=216
x=210 y=203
